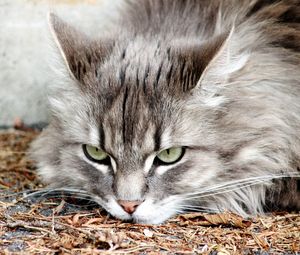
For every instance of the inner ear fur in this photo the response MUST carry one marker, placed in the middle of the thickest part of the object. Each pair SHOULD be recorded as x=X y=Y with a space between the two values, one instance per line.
x=206 y=60
x=80 y=53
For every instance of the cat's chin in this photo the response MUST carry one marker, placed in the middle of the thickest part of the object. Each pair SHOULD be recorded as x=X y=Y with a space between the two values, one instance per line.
x=150 y=212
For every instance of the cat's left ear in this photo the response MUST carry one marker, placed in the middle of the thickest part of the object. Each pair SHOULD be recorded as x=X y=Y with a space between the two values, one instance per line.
x=81 y=54
x=221 y=60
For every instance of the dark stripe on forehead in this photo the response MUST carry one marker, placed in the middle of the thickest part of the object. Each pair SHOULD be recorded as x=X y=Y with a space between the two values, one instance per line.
x=181 y=74
x=122 y=74
x=123 y=54
x=124 y=113
x=137 y=77
x=102 y=137
x=169 y=75
x=169 y=53
x=146 y=77
x=158 y=73
x=157 y=139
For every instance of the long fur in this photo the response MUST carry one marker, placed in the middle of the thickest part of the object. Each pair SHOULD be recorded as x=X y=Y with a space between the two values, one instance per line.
x=220 y=78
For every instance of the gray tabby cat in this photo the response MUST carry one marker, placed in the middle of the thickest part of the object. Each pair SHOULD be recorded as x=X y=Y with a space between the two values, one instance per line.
x=183 y=105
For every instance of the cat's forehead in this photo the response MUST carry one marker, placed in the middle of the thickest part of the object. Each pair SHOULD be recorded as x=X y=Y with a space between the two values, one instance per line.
x=163 y=67
x=139 y=64
x=134 y=122
x=142 y=51
x=138 y=98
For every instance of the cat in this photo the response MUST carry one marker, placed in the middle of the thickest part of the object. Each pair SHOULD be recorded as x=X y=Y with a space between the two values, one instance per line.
x=182 y=105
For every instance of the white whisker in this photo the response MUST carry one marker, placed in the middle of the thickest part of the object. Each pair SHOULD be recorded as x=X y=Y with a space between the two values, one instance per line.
x=47 y=192
x=237 y=184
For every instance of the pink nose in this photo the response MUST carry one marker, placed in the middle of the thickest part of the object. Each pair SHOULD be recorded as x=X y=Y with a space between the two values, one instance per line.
x=129 y=206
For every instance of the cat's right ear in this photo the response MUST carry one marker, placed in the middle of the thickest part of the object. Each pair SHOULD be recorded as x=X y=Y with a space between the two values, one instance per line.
x=81 y=54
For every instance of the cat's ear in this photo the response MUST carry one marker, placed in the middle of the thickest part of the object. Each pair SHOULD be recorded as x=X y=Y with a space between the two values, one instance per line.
x=81 y=54
x=220 y=60
x=207 y=64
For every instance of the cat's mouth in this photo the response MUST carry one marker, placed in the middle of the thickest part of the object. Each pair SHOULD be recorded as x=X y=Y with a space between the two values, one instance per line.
x=147 y=212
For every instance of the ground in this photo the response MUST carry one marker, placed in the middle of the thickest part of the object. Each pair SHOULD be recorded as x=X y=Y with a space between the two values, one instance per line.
x=60 y=224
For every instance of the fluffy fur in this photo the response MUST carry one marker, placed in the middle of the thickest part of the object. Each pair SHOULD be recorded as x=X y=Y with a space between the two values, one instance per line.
x=218 y=77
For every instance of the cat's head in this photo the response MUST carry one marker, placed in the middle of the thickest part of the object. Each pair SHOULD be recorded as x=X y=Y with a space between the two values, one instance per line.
x=133 y=120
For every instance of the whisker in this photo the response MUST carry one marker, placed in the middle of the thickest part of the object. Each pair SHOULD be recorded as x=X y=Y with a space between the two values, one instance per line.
x=45 y=192
x=196 y=206
x=224 y=187
x=54 y=196
x=198 y=209
x=212 y=193
x=82 y=199
x=59 y=193
x=241 y=184
x=236 y=184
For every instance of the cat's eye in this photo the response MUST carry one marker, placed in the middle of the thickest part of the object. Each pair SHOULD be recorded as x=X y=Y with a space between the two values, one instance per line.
x=170 y=156
x=95 y=154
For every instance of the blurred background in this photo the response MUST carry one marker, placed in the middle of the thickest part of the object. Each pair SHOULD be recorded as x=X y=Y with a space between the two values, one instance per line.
x=25 y=53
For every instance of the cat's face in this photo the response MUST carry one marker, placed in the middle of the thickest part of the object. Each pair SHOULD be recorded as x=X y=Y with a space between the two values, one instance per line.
x=135 y=151
x=130 y=127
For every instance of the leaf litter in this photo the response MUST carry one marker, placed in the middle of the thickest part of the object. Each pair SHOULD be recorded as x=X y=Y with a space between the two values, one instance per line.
x=66 y=225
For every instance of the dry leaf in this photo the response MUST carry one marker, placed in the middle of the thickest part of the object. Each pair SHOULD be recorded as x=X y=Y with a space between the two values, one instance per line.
x=75 y=219
x=225 y=218
x=92 y=221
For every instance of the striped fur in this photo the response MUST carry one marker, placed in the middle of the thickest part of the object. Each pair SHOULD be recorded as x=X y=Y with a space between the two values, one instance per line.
x=218 y=77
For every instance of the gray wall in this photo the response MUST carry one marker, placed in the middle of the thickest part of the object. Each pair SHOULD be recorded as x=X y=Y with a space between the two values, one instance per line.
x=24 y=51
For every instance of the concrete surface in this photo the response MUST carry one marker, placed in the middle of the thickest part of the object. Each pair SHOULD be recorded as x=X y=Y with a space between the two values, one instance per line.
x=24 y=51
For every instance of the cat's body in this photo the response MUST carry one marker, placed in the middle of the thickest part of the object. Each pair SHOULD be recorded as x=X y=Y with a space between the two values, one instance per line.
x=218 y=79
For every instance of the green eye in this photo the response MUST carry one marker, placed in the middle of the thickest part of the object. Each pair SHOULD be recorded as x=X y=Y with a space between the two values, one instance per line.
x=95 y=154
x=170 y=156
